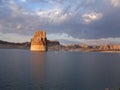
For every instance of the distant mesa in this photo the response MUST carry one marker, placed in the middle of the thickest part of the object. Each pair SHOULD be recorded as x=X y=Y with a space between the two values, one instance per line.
x=39 y=41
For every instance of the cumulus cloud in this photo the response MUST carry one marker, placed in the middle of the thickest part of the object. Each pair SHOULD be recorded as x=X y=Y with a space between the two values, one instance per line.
x=55 y=16
x=18 y=26
x=89 y=17
x=115 y=3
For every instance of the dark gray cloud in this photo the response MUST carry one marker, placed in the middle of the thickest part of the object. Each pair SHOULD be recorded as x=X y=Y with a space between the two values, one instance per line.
x=109 y=25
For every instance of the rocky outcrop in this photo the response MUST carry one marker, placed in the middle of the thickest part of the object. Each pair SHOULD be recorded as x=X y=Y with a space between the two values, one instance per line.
x=103 y=47
x=111 y=47
x=114 y=46
x=5 y=44
x=52 y=43
x=85 y=47
x=77 y=46
x=39 y=41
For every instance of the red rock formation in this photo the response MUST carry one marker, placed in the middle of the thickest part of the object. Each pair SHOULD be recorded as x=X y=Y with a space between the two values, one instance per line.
x=114 y=47
x=83 y=45
x=110 y=47
x=38 y=42
x=104 y=47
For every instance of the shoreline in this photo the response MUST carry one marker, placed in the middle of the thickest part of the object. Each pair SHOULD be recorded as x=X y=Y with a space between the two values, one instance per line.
x=111 y=51
x=71 y=50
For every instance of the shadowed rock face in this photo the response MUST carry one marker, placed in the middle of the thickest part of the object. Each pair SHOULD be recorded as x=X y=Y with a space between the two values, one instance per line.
x=39 y=41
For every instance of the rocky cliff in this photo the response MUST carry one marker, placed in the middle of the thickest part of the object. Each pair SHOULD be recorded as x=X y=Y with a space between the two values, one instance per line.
x=115 y=47
x=39 y=41
x=54 y=46
x=5 y=44
x=85 y=47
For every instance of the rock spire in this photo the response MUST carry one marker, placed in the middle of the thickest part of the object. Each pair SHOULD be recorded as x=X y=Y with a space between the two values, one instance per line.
x=39 y=41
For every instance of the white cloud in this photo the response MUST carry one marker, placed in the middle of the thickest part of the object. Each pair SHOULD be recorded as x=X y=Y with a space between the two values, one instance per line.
x=89 y=17
x=115 y=3
x=18 y=26
x=18 y=11
x=55 y=16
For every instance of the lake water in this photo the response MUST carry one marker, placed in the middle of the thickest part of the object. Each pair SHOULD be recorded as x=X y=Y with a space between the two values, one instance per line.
x=58 y=70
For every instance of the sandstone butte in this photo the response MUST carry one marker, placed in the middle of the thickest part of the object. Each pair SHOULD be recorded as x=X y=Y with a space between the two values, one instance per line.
x=39 y=41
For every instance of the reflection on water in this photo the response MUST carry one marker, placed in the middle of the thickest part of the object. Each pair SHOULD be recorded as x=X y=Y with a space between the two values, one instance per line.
x=37 y=67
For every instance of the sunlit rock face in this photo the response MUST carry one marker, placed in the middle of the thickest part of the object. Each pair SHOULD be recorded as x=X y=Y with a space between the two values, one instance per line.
x=114 y=47
x=109 y=47
x=39 y=41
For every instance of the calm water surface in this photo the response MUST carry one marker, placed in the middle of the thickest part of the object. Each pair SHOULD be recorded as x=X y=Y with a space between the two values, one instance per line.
x=25 y=70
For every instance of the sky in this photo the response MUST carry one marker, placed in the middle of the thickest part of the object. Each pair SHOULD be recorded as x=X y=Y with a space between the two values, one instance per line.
x=68 y=21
